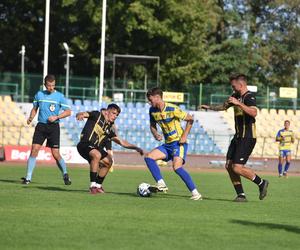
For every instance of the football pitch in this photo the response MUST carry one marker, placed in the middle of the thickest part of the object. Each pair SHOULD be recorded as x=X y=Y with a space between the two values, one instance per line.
x=49 y=215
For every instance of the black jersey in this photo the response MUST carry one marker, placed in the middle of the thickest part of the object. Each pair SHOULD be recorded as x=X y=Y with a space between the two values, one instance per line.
x=97 y=130
x=244 y=123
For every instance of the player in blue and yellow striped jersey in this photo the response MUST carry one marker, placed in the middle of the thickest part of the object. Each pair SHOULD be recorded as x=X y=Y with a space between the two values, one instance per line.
x=285 y=137
x=48 y=102
x=168 y=117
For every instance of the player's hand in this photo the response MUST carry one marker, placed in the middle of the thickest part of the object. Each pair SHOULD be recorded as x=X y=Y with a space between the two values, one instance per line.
x=52 y=118
x=158 y=137
x=203 y=107
x=182 y=140
x=139 y=150
x=233 y=100
x=80 y=116
x=29 y=120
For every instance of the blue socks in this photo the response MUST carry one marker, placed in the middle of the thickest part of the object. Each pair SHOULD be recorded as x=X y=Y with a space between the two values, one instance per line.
x=154 y=169
x=286 y=167
x=280 y=168
x=62 y=165
x=184 y=175
x=30 y=167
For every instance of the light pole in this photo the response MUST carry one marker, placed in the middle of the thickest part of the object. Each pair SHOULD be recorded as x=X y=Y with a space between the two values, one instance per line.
x=22 y=52
x=68 y=55
x=295 y=84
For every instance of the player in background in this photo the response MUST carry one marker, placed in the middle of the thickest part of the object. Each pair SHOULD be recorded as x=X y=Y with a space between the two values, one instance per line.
x=244 y=140
x=285 y=137
x=99 y=128
x=168 y=117
x=49 y=102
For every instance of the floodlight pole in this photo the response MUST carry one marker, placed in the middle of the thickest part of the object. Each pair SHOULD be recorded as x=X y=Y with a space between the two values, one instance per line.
x=295 y=85
x=102 y=50
x=46 y=39
x=22 y=52
x=68 y=55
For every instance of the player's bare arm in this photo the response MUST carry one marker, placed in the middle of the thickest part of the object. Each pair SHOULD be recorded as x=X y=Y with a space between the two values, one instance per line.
x=128 y=145
x=219 y=107
x=279 y=138
x=62 y=115
x=33 y=113
x=250 y=110
x=154 y=131
x=189 y=123
x=81 y=115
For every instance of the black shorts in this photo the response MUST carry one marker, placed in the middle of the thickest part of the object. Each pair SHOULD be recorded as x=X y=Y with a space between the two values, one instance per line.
x=84 y=149
x=50 y=131
x=240 y=149
x=108 y=145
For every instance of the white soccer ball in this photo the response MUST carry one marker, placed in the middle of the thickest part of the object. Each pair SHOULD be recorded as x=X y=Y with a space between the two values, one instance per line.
x=143 y=190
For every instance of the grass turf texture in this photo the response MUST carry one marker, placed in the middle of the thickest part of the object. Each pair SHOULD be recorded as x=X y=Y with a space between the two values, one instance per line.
x=49 y=215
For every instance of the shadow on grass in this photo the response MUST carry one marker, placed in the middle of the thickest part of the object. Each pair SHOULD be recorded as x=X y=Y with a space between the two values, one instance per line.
x=58 y=189
x=289 y=228
x=217 y=199
x=159 y=196
x=11 y=181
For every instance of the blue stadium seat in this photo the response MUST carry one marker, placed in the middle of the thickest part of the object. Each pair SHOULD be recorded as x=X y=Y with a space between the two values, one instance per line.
x=87 y=103
x=130 y=105
x=69 y=102
x=77 y=102
x=139 y=105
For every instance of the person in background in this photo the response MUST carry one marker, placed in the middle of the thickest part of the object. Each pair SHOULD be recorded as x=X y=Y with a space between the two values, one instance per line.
x=285 y=137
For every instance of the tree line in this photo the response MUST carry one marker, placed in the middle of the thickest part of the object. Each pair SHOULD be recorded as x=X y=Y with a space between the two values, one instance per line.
x=198 y=41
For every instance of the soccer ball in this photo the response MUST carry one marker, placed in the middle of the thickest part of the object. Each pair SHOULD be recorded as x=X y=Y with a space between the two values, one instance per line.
x=143 y=190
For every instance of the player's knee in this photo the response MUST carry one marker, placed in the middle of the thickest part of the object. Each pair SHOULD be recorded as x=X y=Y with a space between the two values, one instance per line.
x=148 y=155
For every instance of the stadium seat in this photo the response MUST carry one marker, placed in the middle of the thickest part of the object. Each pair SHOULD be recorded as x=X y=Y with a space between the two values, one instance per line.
x=77 y=103
x=87 y=103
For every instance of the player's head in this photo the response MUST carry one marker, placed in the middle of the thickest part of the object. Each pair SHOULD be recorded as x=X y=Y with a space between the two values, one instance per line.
x=49 y=83
x=155 y=96
x=287 y=124
x=238 y=82
x=112 y=111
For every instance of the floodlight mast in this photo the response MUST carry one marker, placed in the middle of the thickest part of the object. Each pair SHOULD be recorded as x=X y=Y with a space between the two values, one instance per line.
x=46 y=40
x=22 y=52
x=102 y=50
x=68 y=55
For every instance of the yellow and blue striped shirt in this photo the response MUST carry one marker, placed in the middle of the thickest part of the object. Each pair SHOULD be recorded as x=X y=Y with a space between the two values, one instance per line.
x=287 y=139
x=169 y=121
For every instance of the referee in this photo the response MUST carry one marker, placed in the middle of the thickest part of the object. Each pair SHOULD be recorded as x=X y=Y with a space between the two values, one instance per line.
x=48 y=102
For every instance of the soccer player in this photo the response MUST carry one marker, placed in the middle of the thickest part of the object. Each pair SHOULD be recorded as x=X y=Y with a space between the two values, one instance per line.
x=168 y=117
x=285 y=137
x=99 y=128
x=244 y=140
x=49 y=102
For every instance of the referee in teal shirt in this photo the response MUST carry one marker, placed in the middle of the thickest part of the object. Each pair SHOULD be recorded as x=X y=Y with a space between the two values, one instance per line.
x=49 y=102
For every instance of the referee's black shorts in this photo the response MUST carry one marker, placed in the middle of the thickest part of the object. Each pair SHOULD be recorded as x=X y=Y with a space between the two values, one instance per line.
x=84 y=149
x=240 y=149
x=49 y=131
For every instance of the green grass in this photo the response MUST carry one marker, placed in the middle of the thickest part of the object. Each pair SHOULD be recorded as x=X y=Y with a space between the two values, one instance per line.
x=48 y=215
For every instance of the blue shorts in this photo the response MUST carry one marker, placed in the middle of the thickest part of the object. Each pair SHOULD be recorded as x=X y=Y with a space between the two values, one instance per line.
x=284 y=153
x=174 y=149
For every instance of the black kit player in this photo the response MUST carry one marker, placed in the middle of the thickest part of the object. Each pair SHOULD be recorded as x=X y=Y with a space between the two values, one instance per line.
x=244 y=140
x=99 y=128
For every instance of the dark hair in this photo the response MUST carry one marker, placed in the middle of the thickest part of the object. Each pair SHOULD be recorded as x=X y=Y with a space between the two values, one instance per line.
x=242 y=77
x=114 y=106
x=154 y=91
x=287 y=121
x=49 y=78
